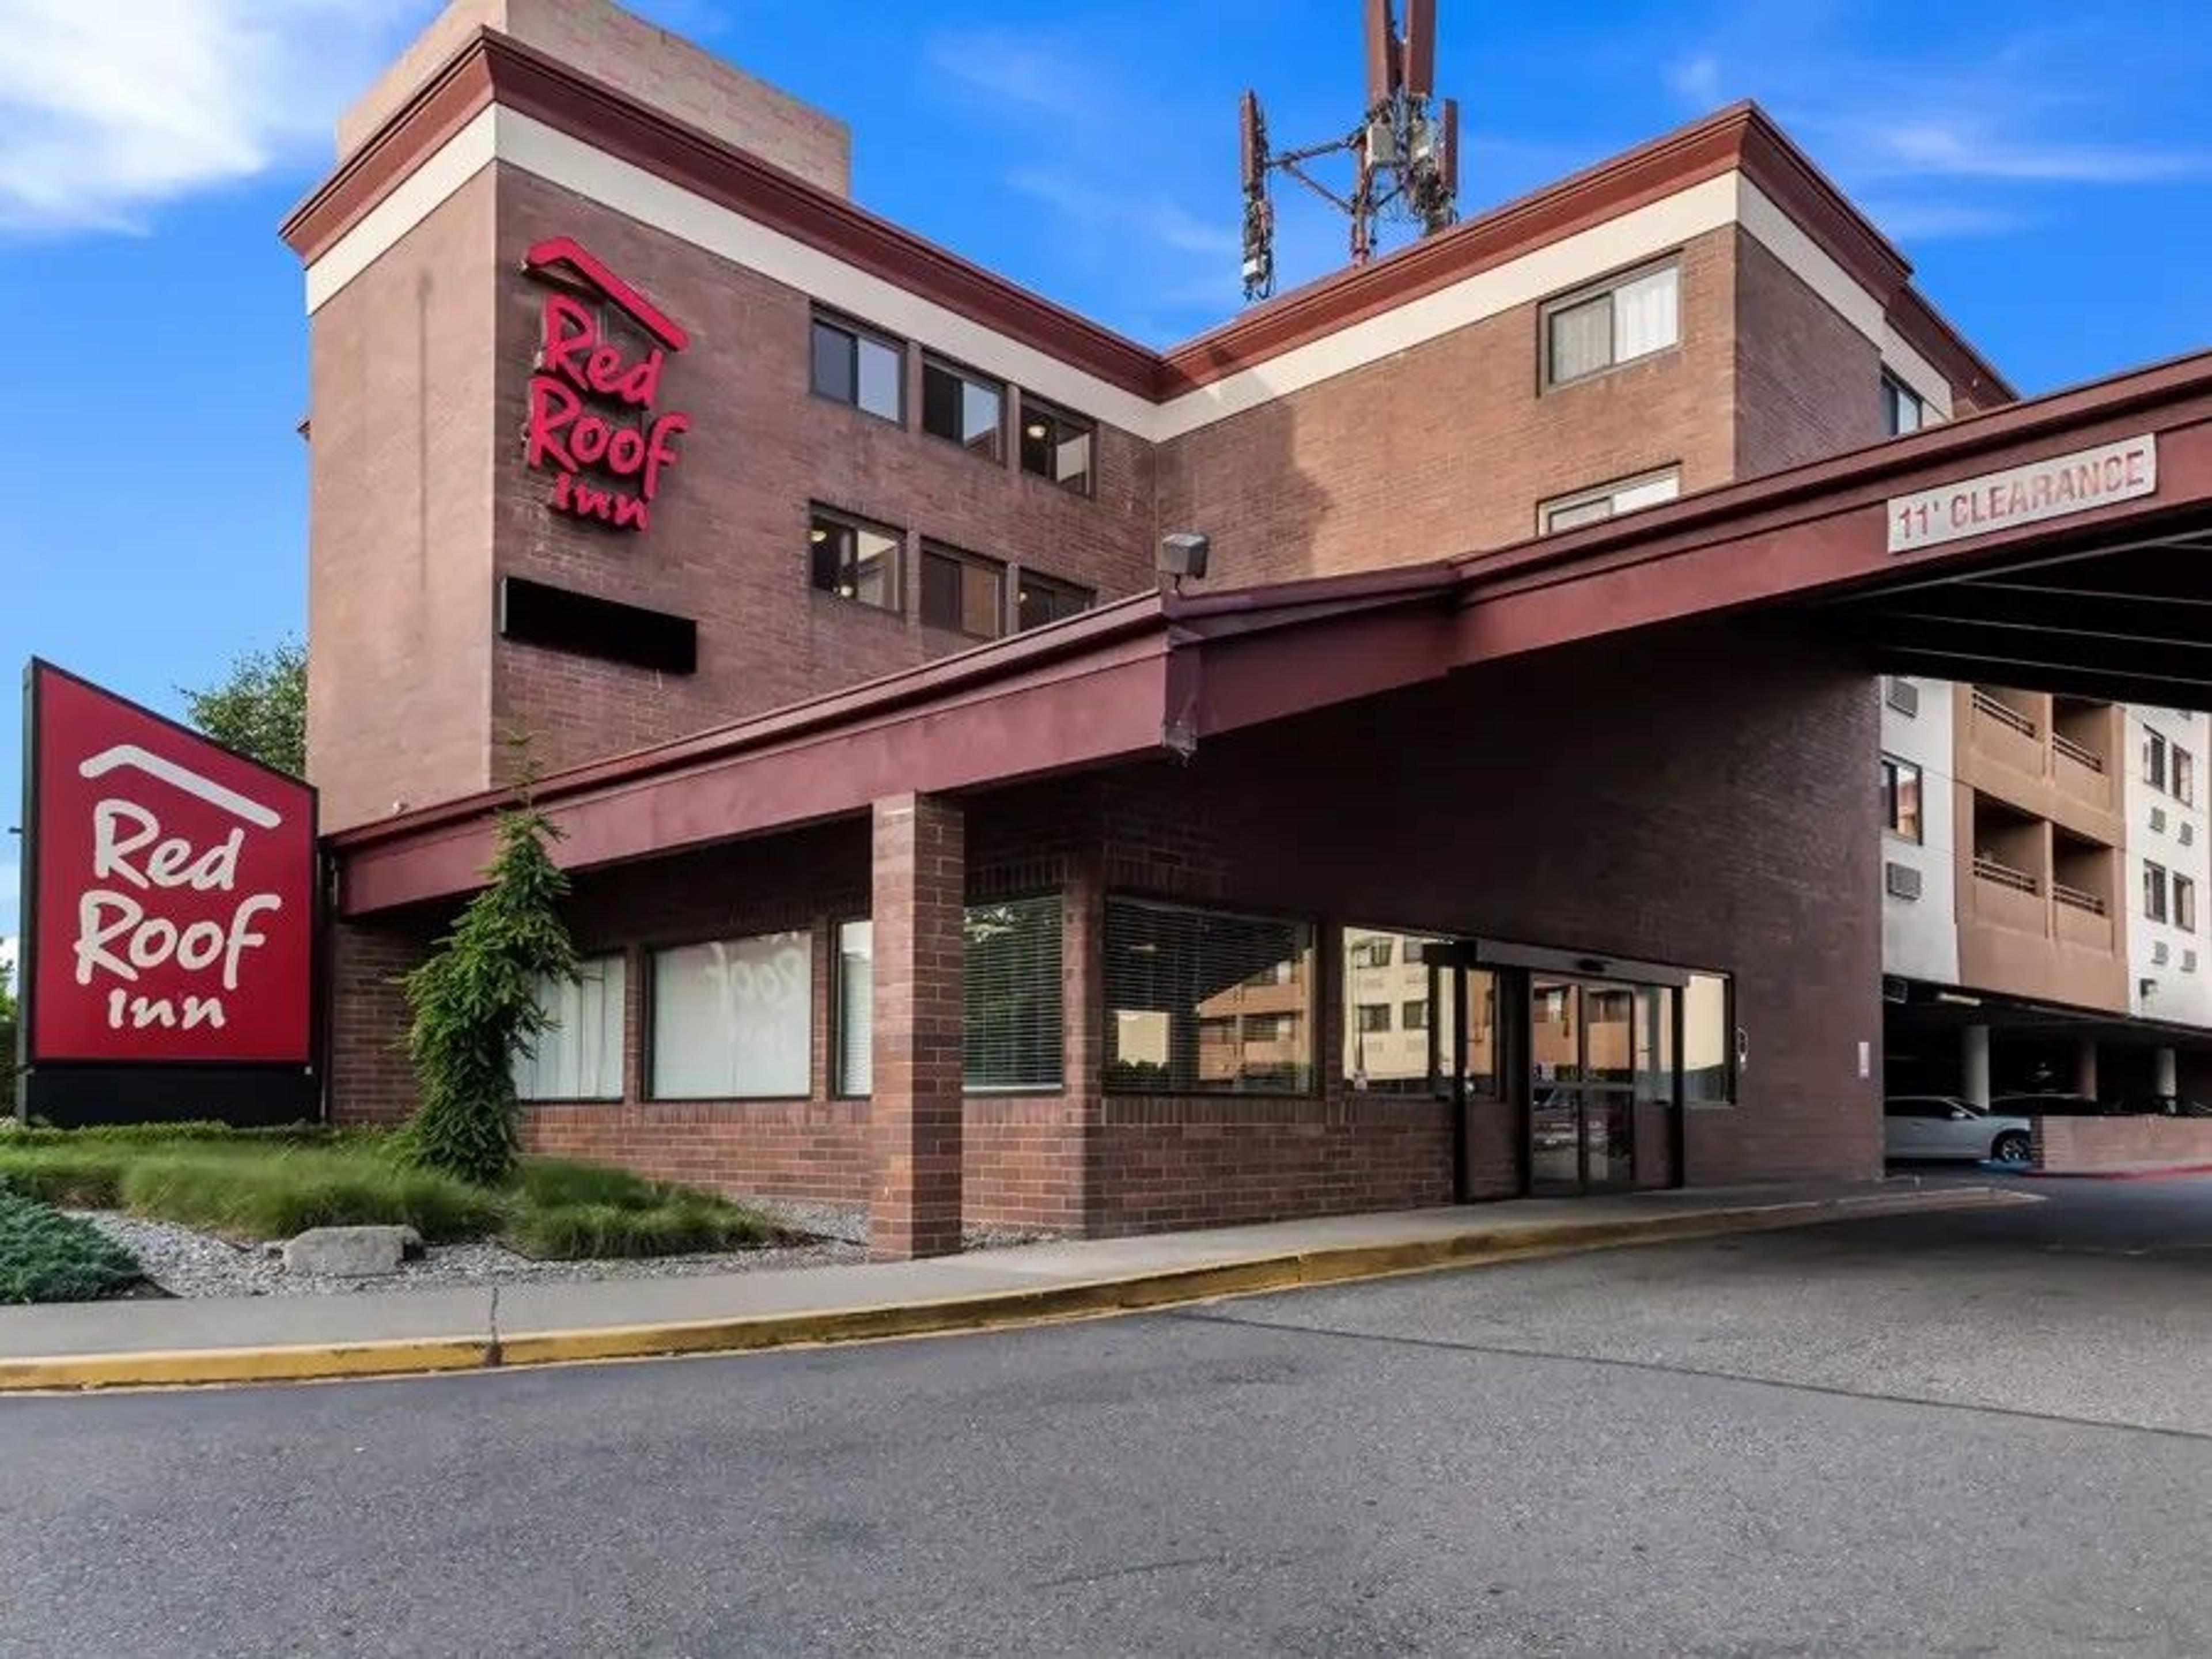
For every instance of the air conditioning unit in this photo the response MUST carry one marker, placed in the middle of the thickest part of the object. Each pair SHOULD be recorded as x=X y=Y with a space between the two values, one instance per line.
x=1903 y=696
x=2158 y=818
x=1901 y=881
x=2159 y=954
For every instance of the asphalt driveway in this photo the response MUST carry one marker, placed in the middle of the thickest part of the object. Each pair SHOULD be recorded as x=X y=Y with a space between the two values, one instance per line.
x=1978 y=1432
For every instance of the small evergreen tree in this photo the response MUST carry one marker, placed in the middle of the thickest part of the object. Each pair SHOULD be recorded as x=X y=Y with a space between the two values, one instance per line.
x=475 y=1005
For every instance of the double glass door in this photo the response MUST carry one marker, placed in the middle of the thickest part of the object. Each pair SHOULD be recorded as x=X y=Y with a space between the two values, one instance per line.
x=1600 y=1058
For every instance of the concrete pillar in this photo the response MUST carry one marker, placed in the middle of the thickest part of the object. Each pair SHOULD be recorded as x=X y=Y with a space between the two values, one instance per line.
x=2085 y=1067
x=914 y=1114
x=2166 y=1077
x=1974 y=1065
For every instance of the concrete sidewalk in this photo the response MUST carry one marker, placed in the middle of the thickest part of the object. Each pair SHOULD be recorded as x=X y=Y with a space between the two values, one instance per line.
x=122 y=1344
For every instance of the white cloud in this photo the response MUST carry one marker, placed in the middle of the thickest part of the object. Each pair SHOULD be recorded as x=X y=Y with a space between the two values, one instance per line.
x=108 y=110
x=1153 y=217
x=1943 y=148
x=1696 y=80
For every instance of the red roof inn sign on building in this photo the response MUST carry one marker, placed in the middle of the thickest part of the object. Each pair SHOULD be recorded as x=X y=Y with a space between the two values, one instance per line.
x=2018 y=496
x=170 y=920
x=592 y=424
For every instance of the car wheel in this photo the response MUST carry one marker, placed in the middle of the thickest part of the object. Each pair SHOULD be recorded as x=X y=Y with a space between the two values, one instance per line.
x=2011 y=1147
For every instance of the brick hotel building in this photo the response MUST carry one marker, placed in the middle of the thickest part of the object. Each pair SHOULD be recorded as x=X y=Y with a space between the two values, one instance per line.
x=1487 y=820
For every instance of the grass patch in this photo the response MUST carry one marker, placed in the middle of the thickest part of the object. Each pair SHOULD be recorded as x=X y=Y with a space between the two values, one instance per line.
x=570 y=1211
x=46 y=1256
x=279 y=1192
x=270 y=1185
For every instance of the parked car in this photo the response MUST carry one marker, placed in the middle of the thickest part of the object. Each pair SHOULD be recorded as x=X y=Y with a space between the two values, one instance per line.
x=1943 y=1126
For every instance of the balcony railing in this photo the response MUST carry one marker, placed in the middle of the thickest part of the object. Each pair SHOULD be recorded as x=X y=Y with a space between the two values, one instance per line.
x=2076 y=897
x=2005 y=875
x=2003 y=713
x=2079 y=754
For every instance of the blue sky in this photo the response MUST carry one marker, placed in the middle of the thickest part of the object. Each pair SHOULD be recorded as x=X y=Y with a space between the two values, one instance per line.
x=2047 y=167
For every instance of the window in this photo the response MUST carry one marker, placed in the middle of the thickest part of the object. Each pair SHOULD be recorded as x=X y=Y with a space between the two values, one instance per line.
x=1900 y=798
x=1383 y=970
x=1608 y=501
x=1204 y=1002
x=579 y=1056
x=1902 y=410
x=1013 y=992
x=1633 y=317
x=1042 y=600
x=2154 y=891
x=2184 y=767
x=2185 y=905
x=856 y=560
x=964 y=409
x=852 y=365
x=854 y=1060
x=964 y=592
x=1369 y=950
x=1709 y=1041
x=1056 y=444
x=2155 y=759
x=733 y=1019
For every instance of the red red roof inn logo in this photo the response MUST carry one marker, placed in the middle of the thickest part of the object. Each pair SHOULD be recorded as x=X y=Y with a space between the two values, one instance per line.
x=592 y=423
x=171 y=896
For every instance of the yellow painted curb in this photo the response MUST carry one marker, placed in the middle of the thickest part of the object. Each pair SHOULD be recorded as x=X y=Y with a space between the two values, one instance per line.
x=985 y=1310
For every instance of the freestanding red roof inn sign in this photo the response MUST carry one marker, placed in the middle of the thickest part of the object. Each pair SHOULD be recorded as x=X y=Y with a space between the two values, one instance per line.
x=170 y=920
x=592 y=421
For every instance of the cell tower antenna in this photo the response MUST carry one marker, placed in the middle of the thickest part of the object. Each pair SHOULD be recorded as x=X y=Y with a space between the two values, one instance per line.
x=1404 y=153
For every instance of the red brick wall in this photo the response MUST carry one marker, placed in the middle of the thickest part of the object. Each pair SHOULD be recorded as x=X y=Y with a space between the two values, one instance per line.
x=727 y=544
x=400 y=485
x=1693 y=798
x=808 y=1149
x=1627 y=800
x=1807 y=383
x=1449 y=446
x=369 y=1079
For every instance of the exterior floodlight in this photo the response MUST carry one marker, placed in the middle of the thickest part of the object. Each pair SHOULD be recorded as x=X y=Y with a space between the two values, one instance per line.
x=1184 y=554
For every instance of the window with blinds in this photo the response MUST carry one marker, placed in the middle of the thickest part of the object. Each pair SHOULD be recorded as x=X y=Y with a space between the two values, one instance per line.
x=578 y=1056
x=1204 y=1001
x=1631 y=317
x=732 y=1019
x=1013 y=994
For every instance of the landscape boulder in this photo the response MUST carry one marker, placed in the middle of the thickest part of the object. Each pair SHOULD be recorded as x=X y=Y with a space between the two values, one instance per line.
x=350 y=1252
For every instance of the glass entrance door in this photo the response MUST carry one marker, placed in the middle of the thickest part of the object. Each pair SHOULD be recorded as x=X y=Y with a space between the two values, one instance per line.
x=1583 y=1084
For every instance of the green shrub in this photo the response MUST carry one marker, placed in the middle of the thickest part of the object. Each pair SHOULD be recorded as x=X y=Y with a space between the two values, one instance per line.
x=475 y=1007
x=682 y=1223
x=46 y=1256
x=196 y=1130
x=277 y=1194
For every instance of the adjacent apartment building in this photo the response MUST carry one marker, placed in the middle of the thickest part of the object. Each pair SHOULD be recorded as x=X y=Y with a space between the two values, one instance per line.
x=2044 y=871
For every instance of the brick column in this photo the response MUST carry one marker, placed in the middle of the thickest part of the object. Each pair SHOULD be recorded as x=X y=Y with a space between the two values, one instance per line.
x=920 y=898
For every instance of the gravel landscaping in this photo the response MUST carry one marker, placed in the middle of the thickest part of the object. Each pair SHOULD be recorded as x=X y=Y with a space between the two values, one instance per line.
x=183 y=1262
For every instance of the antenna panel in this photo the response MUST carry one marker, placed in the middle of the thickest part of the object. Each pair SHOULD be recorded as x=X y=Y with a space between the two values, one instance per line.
x=1420 y=47
x=1382 y=67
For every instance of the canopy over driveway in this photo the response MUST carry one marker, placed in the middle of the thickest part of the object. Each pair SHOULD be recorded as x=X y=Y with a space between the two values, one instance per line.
x=2061 y=544
x=2064 y=543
